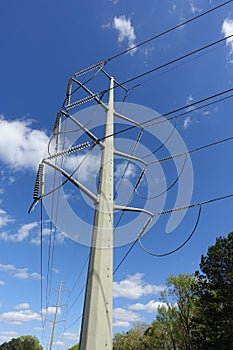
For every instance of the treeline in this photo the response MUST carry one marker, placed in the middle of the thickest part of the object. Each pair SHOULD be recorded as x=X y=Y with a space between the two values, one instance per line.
x=25 y=342
x=197 y=311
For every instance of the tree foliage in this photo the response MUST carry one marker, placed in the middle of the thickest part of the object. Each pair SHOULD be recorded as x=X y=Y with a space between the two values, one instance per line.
x=197 y=311
x=215 y=296
x=75 y=347
x=26 y=342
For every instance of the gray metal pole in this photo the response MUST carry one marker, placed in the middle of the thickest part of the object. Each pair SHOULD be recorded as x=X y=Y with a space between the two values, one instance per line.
x=96 y=330
x=55 y=317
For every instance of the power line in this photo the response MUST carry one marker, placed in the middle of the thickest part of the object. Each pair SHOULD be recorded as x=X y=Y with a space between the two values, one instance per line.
x=177 y=248
x=177 y=59
x=193 y=150
x=175 y=111
x=169 y=211
x=168 y=31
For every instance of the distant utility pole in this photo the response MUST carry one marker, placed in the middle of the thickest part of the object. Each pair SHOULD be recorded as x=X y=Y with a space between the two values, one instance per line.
x=55 y=316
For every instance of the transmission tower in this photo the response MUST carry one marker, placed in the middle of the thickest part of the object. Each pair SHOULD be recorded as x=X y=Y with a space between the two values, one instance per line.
x=96 y=329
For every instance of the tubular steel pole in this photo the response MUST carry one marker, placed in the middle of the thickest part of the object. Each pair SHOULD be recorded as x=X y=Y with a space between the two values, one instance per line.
x=96 y=330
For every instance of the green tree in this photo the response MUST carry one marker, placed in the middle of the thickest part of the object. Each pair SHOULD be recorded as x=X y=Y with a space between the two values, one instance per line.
x=214 y=321
x=75 y=347
x=177 y=317
x=133 y=339
x=26 y=342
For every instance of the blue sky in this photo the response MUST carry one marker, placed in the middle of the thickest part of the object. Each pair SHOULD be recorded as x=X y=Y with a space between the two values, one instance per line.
x=42 y=45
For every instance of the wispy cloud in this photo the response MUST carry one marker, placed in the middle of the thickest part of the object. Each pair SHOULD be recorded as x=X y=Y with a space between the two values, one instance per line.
x=19 y=317
x=23 y=232
x=5 y=218
x=123 y=315
x=194 y=9
x=123 y=168
x=172 y=9
x=89 y=165
x=227 y=30
x=71 y=336
x=186 y=123
x=134 y=287
x=22 y=306
x=151 y=306
x=51 y=310
x=19 y=273
x=125 y=31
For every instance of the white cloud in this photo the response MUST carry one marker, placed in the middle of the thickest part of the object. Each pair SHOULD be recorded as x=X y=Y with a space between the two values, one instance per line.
x=19 y=317
x=55 y=270
x=25 y=146
x=194 y=9
x=35 y=276
x=227 y=30
x=23 y=232
x=189 y=99
x=6 y=336
x=134 y=287
x=121 y=324
x=125 y=31
x=7 y=268
x=71 y=336
x=151 y=306
x=172 y=9
x=59 y=344
x=51 y=310
x=187 y=122
x=19 y=273
x=89 y=165
x=22 y=274
x=4 y=218
x=124 y=315
x=128 y=171
x=22 y=306
x=2 y=283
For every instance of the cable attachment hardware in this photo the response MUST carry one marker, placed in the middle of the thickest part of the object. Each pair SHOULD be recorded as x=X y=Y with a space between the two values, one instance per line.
x=38 y=188
x=144 y=228
x=70 y=150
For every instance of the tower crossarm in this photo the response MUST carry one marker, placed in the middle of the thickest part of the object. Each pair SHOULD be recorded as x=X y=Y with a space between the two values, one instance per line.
x=82 y=127
x=141 y=210
x=129 y=156
x=83 y=188
x=121 y=116
x=97 y=99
